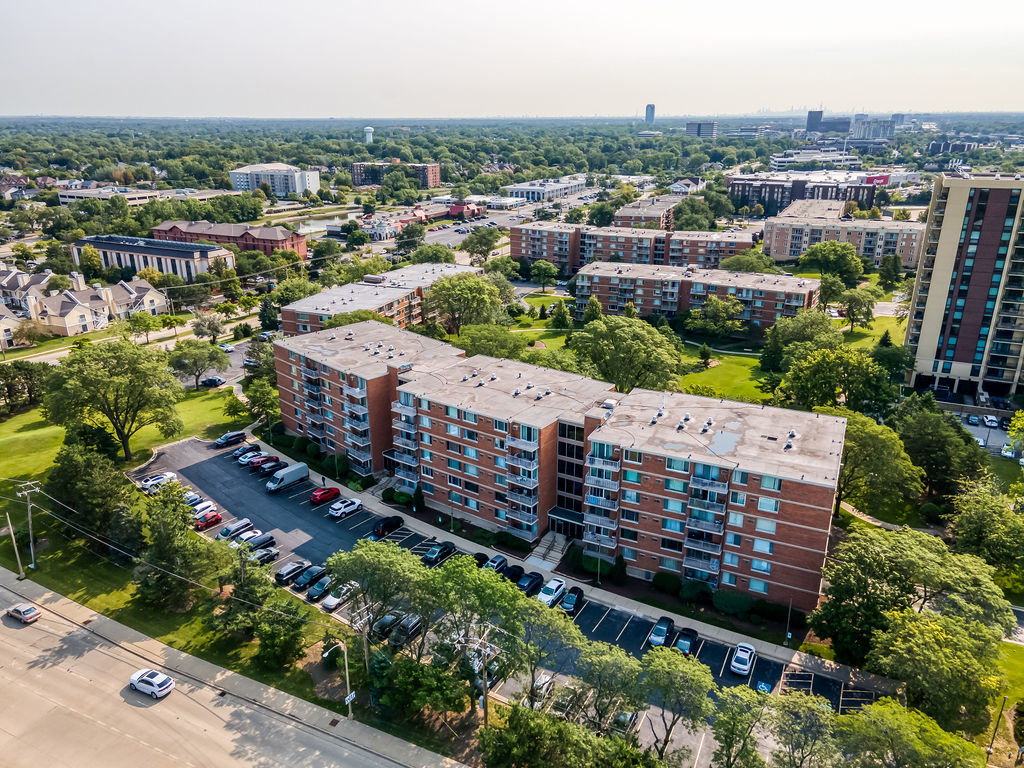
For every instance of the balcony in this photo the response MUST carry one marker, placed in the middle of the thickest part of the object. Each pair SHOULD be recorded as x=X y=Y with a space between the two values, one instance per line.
x=521 y=443
x=608 y=542
x=696 y=524
x=311 y=390
x=521 y=534
x=523 y=481
x=405 y=426
x=601 y=482
x=356 y=424
x=600 y=501
x=402 y=408
x=358 y=455
x=600 y=521
x=526 y=499
x=594 y=461
x=405 y=442
x=701 y=564
x=355 y=408
x=703 y=546
x=707 y=506
x=708 y=485
x=357 y=440
x=519 y=461
x=313 y=403
x=314 y=432
x=521 y=516
x=407 y=475
x=409 y=459
x=353 y=391
x=310 y=373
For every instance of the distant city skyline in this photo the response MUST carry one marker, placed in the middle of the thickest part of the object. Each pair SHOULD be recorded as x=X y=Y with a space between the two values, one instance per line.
x=254 y=58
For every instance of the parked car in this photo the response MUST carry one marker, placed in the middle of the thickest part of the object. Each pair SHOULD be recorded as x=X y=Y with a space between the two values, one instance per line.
x=241 y=450
x=339 y=596
x=248 y=458
x=287 y=477
x=687 y=641
x=385 y=526
x=229 y=438
x=309 y=576
x=259 y=461
x=226 y=347
x=266 y=336
x=743 y=656
x=271 y=467
x=207 y=520
x=265 y=555
x=235 y=528
x=481 y=559
x=531 y=583
x=407 y=630
x=245 y=538
x=662 y=632
x=1006 y=451
x=213 y=381
x=497 y=563
x=1004 y=423
x=980 y=441
x=24 y=612
x=973 y=420
x=345 y=507
x=552 y=592
x=624 y=723
x=438 y=553
x=203 y=508
x=291 y=571
x=153 y=483
x=513 y=573
x=193 y=499
x=262 y=541
x=323 y=495
x=385 y=625
x=572 y=601
x=318 y=588
x=156 y=684
x=991 y=421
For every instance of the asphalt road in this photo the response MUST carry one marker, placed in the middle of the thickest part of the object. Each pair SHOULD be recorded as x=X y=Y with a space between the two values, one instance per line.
x=66 y=702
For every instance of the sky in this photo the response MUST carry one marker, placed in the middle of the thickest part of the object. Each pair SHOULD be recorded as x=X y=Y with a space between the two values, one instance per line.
x=460 y=59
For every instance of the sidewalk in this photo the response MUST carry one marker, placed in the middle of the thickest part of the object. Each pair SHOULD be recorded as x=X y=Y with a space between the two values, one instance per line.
x=778 y=653
x=257 y=694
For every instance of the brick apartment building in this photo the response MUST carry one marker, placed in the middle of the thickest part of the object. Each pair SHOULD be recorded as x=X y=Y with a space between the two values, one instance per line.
x=730 y=494
x=806 y=222
x=571 y=245
x=775 y=191
x=669 y=292
x=397 y=295
x=427 y=174
x=246 y=236
x=651 y=210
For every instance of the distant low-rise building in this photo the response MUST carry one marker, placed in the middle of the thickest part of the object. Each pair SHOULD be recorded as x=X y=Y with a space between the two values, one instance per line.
x=656 y=211
x=137 y=197
x=427 y=174
x=186 y=260
x=835 y=158
x=775 y=191
x=247 y=237
x=703 y=129
x=283 y=179
x=688 y=185
x=547 y=189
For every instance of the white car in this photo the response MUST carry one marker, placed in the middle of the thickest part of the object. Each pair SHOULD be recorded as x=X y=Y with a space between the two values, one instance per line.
x=24 y=612
x=743 y=656
x=244 y=460
x=202 y=508
x=990 y=421
x=156 y=684
x=552 y=592
x=339 y=596
x=242 y=538
x=153 y=483
x=1006 y=451
x=980 y=441
x=192 y=498
x=226 y=347
x=345 y=507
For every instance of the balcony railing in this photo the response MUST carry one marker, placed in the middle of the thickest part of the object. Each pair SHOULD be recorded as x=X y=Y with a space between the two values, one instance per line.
x=356 y=424
x=314 y=432
x=703 y=546
x=521 y=443
x=357 y=409
x=405 y=442
x=359 y=441
x=409 y=459
x=311 y=373
x=353 y=391
x=312 y=403
x=600 y=521
x=526 y=499
x=405 y=426
x=708 y=485
x=521 y=534
x=599 y=539
x=700 y=564
x=519 y=461
x=707 y=506
x=601 y=482
x=594 y=461
x=602 y=502
x=402 y=408
x=358 y=454
x=522 y=516
x=407 y=475
x=523 y=481
x=311 y=389
x=697 y=524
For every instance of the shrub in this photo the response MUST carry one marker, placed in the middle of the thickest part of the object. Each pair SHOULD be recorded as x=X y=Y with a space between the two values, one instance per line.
x=313 y=451
x=402 y=498
x=574 y=559
x=531 y=343
x=299 y=446
x=732 y=602
x=693 y=592
x=770 y=611
x=1018 y=723
x=667 y=582
x=931 y=512
x=512 y=542
x=236 y=333
x=277 y=428
x=247 y=330
x=618 y=574
x=284 y=442
x=818 y=649
x=591 y=564
x=387 y=495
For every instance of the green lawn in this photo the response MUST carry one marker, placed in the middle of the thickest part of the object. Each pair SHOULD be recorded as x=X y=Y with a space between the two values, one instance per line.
x=735 y=376
x=1011 y=664
x=1006 y=470
x=538 y=299
x=551 y=339
x=866 y=338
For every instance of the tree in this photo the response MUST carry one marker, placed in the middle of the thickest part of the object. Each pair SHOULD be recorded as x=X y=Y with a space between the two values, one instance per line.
x=739 y=713
x=89 y=262
x=504 y=265
x=576 y=215
x=875 y=467
x=230 y=285
x=749 y=261
x=694 y=213
x=29 y=331
x=859 y=304
x=480 y=242
x=546 y=640
x=630 y=310
x=830 y=377
x=432 y=254
x=613 y=678
x=835 y=258
x=357 y=238
x=717 y=316
x=791 y=338
x=410 y=236
x=628 y=352
x=592 y=311
x=890 y=271
x=191 y=357
x=705 y=355
x=264 y=404
x=280 y=633
x=251 y=588
x=532 y=739
x=560 y=317
x=949 y=666
x=293 y=289
x=171 y=322
x=803 y=726
x=887 y=735
x=831 y=289
x=506 y=291
x=90 y=484
x=118 y=384
x=986 y=523
x=601 y=214
x=682 y=686
x=58 y=283
x=356 y=316
x=901 y=214
x=462 y=299
x=894 y=359
x=208 y=324
x=143 y=324
x=543 y=272
x=491 y=340
x=268 y=314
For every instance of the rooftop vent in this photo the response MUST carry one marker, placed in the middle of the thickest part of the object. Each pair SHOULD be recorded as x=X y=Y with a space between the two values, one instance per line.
x=376 y=351
x=390 y=355
x=609 y=404
x=391 y=347
x=547 y=390
x=481 y=383
x=493 y=377
x=687 y=416
x=654 y=420
x=333 y=337
x=529 y=385
x=473 y=373
x=710 y=421
x=366 y=347
x=465 y=377
x=792 y=434
x=380 y=343
x=516 y=393
x=539 y=396
x=789 y=444
x=681 y=424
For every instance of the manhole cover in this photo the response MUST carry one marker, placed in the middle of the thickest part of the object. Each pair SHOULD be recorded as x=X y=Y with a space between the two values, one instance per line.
x=334 y=722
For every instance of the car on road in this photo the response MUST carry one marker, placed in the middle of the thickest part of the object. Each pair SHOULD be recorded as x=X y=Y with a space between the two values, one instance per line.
x=687 y=641
x=248 y=458
x=973 y=420
x=207 y=520
x=235 y=528
x=345 y=507
x=291 y=571
x=245 y=538
x=153 y=483
x=265 y=555
x=229 y=438
x=743 y=656
x=385 y=527
x=318 y=588
x=309 y=576
x=513 y=572
x=323 y=495
x=156 y=684
x=226 y=347
x=438 y=553
x=385 y=625
x=213 y=381
x=572 y=601
x=531 y=583
x=259 y=461
x=241 y=450
x=552 y=592
x=662 y=632
x=271 y=467
x=24 y=612
x=497 y=563
x=990 y=421
x=339 y=596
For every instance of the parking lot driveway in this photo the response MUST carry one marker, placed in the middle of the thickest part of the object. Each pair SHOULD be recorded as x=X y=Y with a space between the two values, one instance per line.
x=714 y=655
x=633 y=637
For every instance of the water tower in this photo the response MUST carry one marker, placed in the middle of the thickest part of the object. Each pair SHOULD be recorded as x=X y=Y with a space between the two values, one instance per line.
x=368 y=133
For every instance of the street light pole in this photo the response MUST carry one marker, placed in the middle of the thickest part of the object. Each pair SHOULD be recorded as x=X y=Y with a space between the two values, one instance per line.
x=26 y=491
x=348 y=685
x=14 y=543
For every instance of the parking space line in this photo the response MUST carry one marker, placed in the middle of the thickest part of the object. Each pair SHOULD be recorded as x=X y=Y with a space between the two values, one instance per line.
x=586 y=602
x=623 y=629
x=607 y=611
x=648 y=637
x=407 y=536
x=358 y=523
x=724 y=661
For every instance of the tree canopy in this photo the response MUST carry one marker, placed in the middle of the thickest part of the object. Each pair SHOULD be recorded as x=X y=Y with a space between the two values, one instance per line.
x=462 y=299
x=628 y=352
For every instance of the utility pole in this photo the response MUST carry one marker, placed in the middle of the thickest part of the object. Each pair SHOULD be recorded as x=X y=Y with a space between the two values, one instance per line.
x=26 y=490
x=14 y=543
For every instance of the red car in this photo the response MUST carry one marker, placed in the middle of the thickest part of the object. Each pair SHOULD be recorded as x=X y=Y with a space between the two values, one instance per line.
x=207 y=520
x=320 y=495
x=256 y=463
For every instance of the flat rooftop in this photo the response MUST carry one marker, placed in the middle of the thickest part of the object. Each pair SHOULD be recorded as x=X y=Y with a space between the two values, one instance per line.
x=369 y=349
x=820 y=177
x=553 y=226
x=814 y=209
x=677 y=235
x=753 y=437
x=651 y=205
x=265 y=168
x=510 y=390
x=147 y=245
x=757 y=280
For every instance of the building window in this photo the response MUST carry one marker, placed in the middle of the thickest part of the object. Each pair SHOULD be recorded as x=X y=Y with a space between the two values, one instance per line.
x=737 y=498
x=426 y=455
x=628 y=534
x=630 y=496
x=740 y=478
x=500 y=426
x=629 y=515
x=451 y=412
x=756 y=585
x=427 y=471
x=628 y=553
x=733 y=539
x=770 y=483
x=761 y=566
x=633 y=457
x=736 y=519
x=455 y=464
x=667 y=524
x=454 y=498
x=731 y=558
x=668 y=563
x=680 y=486
x=764 y=526
x=470 y=434
x=469 y=417
x=768 y=505
x=677 y=465
x=673 y=505
x=764 y=546
x=630 y=476
x=729 y=579
x=425 y=421
x=451 y=429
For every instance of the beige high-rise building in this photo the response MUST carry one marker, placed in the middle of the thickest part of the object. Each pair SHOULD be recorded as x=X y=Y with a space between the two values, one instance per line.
x=966 y=324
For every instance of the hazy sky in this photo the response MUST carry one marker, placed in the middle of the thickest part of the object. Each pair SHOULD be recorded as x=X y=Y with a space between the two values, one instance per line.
x=397 y=58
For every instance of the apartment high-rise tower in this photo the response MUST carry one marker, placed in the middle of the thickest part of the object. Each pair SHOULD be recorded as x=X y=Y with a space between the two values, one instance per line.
x=649 y=115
